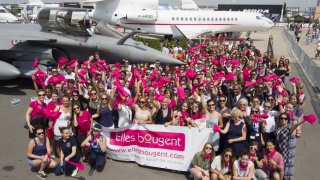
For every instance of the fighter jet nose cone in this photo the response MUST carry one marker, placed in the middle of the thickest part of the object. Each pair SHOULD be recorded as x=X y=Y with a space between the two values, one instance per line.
x=165 y=59
x=7 y=71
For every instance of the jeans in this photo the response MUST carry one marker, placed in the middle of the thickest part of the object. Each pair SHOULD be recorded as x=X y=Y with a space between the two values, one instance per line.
x=97 y=160
x=66 y=169
x=260 y=174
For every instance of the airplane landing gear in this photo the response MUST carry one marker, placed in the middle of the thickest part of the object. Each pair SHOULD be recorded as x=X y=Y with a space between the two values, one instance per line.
x=169 y=37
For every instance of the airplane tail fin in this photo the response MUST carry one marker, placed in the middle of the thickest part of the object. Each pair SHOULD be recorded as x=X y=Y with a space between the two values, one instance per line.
x=189 y=5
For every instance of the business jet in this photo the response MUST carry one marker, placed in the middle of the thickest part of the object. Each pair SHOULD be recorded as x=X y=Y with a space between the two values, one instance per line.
x=6 y=16
x=142 y=15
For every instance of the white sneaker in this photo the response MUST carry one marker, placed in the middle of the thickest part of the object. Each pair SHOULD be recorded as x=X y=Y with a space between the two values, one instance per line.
x=74 y=172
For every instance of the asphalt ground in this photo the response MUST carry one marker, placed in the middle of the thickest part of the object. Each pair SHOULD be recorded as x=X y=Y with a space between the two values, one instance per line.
x=14 y=139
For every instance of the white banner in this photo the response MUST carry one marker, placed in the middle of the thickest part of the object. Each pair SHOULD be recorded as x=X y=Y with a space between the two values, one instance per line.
x=171 y=147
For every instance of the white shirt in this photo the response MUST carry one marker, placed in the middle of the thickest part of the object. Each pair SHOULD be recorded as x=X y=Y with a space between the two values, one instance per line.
x=271 y=121
x=216 y=164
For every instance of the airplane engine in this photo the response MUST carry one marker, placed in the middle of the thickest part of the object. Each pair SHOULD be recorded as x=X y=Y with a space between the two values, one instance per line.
x=7 y=71
x=69 y=20
x=142 y=16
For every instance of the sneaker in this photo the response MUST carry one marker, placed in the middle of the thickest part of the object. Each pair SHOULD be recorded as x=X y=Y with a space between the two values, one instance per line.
x=90 y=172
x=42 y=175
x=74 y=172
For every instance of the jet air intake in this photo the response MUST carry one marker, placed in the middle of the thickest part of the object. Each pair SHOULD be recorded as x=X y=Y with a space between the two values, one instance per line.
x=143 y=16
x=69 y=20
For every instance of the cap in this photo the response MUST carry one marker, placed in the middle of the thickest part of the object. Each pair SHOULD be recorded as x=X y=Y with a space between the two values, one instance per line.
x=152 y=66
x=97 y=127
x=49 y=68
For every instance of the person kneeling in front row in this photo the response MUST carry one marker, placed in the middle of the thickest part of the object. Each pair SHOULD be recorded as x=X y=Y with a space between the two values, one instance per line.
x=69 y=153
x=39 y=152
x=97 y=145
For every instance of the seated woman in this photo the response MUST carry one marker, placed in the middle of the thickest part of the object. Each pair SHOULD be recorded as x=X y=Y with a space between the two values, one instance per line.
x=201 y=162
x=69 y=152
x=272 y=161
x=220 y=167
x=97 y=145
x=243 y=168
x=256 y=158
x=39 y=152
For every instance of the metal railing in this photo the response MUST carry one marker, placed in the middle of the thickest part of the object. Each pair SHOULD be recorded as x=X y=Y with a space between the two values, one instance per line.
x=310 y=68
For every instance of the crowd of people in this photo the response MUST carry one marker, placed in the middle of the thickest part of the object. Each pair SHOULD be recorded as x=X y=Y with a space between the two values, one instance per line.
x=229 y=87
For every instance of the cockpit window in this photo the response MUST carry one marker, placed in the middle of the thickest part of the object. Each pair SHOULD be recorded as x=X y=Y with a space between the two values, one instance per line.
x=258 y=17
x=2 y=11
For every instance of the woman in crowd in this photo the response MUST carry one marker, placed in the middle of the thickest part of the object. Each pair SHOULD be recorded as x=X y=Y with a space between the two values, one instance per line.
x=225 y=113
x=39 y=152
x=254 y=126
x=93 y=103
x=287 y=142
x=64 y=120
x=272 y=161
x=221 y=166
x=105 y=111
x=35 y=115
x=82 y=121
x=164 y=114
x=180 y=116
x=287 y=65
x=201 y=162
x=142 y=112
x=236 y=133
x=281 y=70
x=256 y=158
x=97 y=145
x=69 y=153
x=212 y=118
x=197 y=116
x=125 y=115
x=243 y=168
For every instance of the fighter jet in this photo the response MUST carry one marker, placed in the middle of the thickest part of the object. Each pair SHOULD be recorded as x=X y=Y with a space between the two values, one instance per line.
x=60 y=35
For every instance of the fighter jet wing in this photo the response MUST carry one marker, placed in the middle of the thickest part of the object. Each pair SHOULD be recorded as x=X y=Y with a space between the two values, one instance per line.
x=192 y=31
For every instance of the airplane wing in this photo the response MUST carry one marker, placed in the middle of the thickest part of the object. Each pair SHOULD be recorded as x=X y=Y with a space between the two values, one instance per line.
x=192 y=31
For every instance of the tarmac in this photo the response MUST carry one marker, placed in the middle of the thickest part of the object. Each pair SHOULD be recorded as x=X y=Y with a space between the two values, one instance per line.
x=14 y=139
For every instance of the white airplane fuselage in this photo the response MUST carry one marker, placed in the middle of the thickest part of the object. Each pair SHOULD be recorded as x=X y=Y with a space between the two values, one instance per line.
x=6 y=16
x=189 y=23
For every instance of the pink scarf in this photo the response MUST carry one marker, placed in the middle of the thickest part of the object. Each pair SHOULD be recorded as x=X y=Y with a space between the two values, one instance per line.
x=226 y=164
x=94 y=140
x=243 y=167
x=207 y=156
x=270 y=155
x=253 y=156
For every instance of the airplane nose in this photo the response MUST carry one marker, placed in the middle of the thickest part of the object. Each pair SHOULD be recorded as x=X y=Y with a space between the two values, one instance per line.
x=7 y=71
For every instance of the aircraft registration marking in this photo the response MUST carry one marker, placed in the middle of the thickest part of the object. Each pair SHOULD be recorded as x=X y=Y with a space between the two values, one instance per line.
x=15 y=42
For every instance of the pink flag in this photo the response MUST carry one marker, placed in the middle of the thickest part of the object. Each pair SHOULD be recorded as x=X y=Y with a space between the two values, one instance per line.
x=310 y=119
x=36 y=63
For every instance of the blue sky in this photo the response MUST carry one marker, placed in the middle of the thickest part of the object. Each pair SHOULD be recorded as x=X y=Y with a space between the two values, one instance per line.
x=293 y=3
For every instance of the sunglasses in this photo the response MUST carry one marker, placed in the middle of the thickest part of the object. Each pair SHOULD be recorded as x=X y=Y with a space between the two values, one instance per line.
x=254 y=148
x=282 y=118
x=93 y=93
x=40 y=133
x=209 y=148
x=141 y=102
x=211 y=105
x=54 y=71
x=41 y=95
x=104 y=98
x=75 y=94
x=267 y=106
x=76 y=108
x=255 y=111
x=227 y=156
x=270 y=99
x=222 y=101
